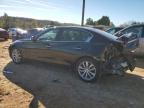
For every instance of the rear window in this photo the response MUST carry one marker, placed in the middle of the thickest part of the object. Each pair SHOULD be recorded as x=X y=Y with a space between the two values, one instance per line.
x=103 y=33
x=75 y=35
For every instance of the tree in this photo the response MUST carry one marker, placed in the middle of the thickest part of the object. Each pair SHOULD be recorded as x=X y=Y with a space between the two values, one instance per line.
x=112 y=24
x=89 y=21
x=52 y=23
x=6 y=21
x=104 y=21
x=1 y=24
x=34 y=23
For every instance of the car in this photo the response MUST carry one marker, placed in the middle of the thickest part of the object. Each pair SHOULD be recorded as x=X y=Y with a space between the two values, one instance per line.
x=91 y=52
x=113 y=30
x=16 y=33
x=3 y=34
x=136 y=29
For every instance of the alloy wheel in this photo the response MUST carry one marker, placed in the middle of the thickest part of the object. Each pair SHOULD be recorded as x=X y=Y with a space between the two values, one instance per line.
x=16 y=56
x=87 y=70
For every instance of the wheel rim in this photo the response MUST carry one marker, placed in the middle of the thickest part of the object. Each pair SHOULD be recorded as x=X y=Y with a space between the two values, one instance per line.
x=16 y=56
x=87 y=70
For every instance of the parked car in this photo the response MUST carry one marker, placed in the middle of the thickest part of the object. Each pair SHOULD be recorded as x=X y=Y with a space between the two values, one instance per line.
x=136 y=29
x=17 y=33
x=91 y=52
x=48 y=26
x=33 y=32
x=3 y=34
x=113 y=30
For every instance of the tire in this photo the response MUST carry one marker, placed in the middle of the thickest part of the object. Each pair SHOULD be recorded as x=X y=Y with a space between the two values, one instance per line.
x=16 y=56
x=87 y=69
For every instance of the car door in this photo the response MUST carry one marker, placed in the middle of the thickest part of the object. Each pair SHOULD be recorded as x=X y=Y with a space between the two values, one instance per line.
x=134 y=42
x=70 y=45
x=40 y=48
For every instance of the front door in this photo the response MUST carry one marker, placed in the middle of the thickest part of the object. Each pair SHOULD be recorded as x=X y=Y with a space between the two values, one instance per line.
x=134 y=42
x=41 y=48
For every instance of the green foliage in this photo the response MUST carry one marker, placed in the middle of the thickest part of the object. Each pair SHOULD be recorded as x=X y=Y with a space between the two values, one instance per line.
x=89 y=21
x=104 y=21
x=5 y=21
x=25 y=23
x=112 y=24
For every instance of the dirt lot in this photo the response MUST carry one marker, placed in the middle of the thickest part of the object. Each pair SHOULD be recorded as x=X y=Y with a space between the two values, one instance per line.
x=43 y=85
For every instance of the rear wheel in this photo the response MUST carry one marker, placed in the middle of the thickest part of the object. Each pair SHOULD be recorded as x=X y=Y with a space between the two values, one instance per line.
x=87 y=69
x=16 y=56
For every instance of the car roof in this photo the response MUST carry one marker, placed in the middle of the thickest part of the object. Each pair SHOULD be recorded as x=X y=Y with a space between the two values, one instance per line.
x=136 y=25
x=36 y=29
x=115 y=28
x=2 y=29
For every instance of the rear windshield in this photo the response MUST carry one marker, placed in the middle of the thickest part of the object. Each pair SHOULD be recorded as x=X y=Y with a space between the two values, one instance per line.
x=103 y=33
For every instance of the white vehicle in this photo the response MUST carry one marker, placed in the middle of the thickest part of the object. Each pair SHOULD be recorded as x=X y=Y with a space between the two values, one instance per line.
x=139 y=31
x=16 y=31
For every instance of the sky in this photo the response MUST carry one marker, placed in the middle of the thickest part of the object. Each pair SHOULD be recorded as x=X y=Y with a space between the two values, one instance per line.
x=69 y=11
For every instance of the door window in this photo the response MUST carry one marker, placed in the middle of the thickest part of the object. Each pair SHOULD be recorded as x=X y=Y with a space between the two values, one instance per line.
x=49 y=35
x=111 y=31
x=75 y=35
x=136 y=30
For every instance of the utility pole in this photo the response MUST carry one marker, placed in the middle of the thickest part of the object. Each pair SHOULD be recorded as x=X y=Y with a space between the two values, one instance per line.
x=83 y=12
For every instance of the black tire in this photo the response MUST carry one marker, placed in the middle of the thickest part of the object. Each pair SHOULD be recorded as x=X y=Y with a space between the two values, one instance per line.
x=87 y=69
x=16 y=56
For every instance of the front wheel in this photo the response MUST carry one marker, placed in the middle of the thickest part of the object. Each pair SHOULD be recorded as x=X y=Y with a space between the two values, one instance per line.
x=87 y=69
x=16 y=56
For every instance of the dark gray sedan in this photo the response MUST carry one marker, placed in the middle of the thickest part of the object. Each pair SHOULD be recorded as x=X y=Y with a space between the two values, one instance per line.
x=91 y=52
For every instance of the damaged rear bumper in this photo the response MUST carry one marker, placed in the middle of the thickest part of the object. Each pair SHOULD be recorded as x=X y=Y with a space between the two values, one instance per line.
x=120 y=64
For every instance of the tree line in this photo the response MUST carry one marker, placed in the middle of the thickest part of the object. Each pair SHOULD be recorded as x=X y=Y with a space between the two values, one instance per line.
x=104 y=20
x=26 y=23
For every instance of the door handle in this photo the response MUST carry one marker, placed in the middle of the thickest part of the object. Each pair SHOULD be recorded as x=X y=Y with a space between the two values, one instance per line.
x=48 y=46
x=77 y=48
